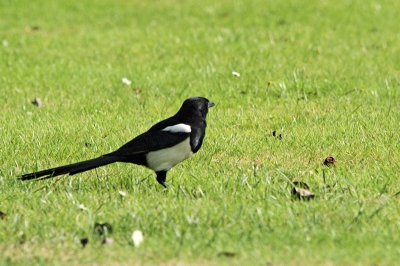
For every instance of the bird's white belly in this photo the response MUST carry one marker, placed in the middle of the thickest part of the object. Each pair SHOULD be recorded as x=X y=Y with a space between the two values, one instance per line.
x=165 y=159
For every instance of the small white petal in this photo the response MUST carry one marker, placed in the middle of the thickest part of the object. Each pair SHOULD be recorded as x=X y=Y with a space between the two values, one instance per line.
x=5 y=43
x=82 y=207
x=137 y=237
x=236 y=74
x=126 y=81
x=178 y=128
x=122 y=193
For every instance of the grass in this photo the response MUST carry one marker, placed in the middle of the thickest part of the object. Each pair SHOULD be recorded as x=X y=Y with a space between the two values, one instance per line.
x=324 y=75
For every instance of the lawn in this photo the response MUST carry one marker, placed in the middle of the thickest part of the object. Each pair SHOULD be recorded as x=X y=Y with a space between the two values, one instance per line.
x=317 y=79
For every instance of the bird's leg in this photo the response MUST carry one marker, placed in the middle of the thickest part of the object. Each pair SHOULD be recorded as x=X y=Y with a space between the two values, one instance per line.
x=161 y=176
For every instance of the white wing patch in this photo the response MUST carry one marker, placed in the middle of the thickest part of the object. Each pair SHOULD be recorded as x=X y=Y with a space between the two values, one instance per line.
x=182 y=128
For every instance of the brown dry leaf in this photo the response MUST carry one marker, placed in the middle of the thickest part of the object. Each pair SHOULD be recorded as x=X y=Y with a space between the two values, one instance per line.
x=329 y=161
x=226 y=254
x=3 y=215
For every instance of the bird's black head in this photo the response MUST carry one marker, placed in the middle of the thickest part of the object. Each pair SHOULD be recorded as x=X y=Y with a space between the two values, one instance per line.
x=198 y=105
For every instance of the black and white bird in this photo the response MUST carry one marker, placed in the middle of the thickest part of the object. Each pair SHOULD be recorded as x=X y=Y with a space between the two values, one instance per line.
x=163 y=146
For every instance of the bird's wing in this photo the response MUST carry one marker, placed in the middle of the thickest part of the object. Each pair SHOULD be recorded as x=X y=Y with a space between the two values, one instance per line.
x=151 y=141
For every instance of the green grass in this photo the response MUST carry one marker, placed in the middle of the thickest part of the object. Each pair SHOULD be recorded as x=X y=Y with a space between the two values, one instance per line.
x=323 y=74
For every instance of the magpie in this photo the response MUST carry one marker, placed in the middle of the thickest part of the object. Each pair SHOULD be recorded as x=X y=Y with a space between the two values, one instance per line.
x=163 y=146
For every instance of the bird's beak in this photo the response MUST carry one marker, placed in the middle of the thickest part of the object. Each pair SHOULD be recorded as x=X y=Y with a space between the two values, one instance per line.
x=210 y=104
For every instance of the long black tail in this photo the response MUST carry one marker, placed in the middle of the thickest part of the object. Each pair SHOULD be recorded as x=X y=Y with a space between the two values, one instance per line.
x=71 y=169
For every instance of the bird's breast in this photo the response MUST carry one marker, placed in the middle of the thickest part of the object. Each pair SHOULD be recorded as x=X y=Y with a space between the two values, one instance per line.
x=165 y=159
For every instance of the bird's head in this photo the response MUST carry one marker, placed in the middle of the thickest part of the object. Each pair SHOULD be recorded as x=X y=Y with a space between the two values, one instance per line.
x=197 y=105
